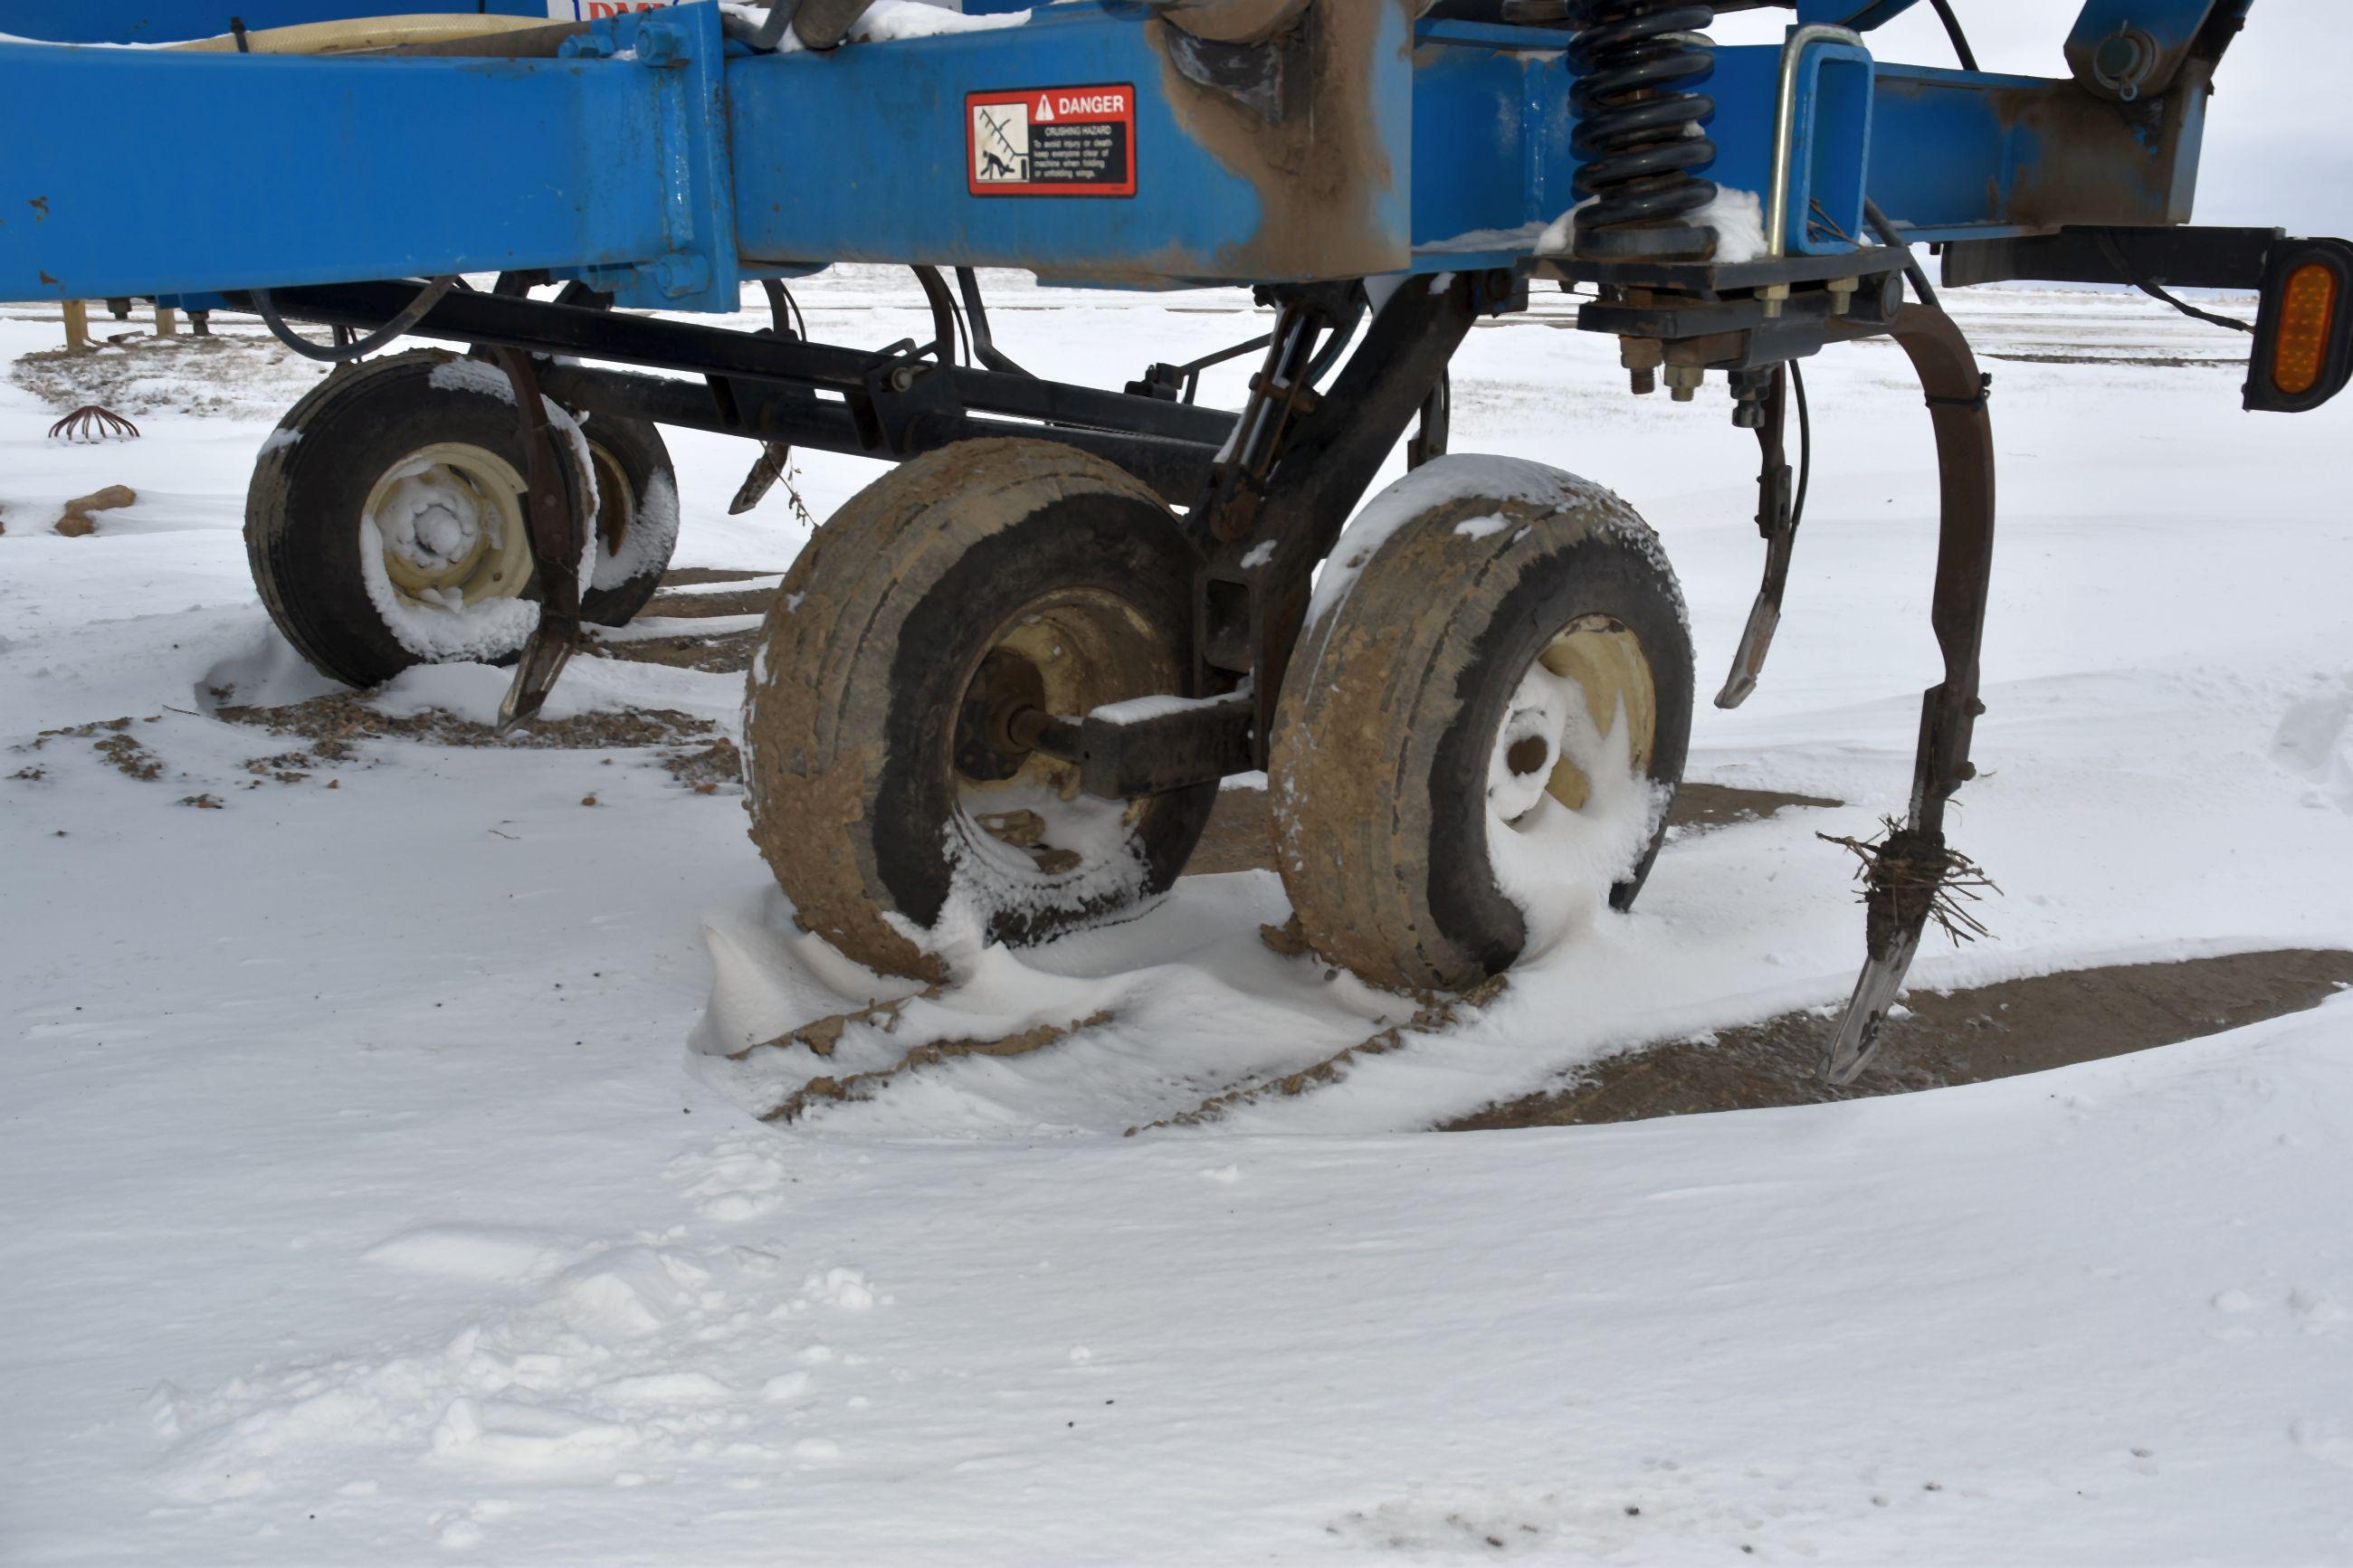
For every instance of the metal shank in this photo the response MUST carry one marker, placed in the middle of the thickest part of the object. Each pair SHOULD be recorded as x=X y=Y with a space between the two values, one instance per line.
x=1898 y=908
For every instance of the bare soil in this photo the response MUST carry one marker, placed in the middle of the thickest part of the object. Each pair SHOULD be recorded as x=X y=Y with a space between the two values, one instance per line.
x=723 y=653
x=339 y=718
x=703 y=576
x=136 y=372
x=1950 y=1037
x=720 y=653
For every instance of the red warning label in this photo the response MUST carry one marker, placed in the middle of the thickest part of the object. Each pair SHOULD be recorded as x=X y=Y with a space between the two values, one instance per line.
x=1052 y=142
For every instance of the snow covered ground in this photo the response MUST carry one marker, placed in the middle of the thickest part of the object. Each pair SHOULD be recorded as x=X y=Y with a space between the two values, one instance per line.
x=368 y=1200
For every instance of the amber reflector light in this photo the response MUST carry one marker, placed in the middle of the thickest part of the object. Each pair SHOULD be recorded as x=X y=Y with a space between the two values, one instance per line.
x=2307 y=309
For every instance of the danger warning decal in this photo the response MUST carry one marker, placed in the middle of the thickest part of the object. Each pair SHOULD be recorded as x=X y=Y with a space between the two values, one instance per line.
x=1052 y=141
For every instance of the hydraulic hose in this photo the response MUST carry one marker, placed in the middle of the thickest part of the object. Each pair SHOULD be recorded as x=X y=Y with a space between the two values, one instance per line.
x=1882 y=226
x=266 y=309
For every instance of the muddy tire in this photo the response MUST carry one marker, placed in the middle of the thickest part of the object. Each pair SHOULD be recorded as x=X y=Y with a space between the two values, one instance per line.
x=383 y=523
x=1494 y=688
x=898 y=814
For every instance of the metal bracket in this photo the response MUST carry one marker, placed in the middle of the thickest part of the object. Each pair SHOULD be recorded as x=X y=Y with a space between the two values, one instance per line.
x=1777 y=520
x=1198 y=743
x=1301 y=462
x=682 y=52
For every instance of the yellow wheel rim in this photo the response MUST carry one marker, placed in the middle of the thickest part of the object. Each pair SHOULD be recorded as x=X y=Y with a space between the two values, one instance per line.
x=449 y=522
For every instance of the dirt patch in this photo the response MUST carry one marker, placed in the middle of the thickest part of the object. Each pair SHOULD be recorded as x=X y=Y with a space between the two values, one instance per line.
x=706 y=770
x=708 y=605
x=1959 y=1037
x=137 y=372
x=1240 y=834
x=726 y=653
x=865 y=1084
x=132 y=760
x=341 y=718
x=702 y=576
x=715 y=653
x=1700 y=807
x=111 y=739
x=1435 y=1015
x=2147 y=362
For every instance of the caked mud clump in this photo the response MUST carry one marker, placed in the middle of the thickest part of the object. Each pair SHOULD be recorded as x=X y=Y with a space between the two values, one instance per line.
x=1959 y=1037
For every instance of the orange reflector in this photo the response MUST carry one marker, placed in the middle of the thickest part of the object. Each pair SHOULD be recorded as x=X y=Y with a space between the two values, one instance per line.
x=2307 y=310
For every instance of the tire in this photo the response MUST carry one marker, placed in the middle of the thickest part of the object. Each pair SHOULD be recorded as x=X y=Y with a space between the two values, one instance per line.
x=1430 y=744
x=637 y=517
x=903 y=824
x=360 y=612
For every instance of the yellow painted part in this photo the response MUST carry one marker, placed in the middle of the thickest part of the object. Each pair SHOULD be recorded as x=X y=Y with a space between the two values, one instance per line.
x=363 y=33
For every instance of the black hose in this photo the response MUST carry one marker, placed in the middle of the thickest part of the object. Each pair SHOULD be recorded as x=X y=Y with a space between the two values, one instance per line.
x=1805 y=446
x=417 y=311
x=1882 y=226
x=1953 y=31
x=2118 y=260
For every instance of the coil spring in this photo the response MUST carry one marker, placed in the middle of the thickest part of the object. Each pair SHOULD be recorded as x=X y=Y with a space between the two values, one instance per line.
x=1639 y=135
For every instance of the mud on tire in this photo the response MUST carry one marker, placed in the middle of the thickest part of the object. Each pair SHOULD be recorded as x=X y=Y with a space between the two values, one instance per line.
x=1495 y=686
x=883 y=786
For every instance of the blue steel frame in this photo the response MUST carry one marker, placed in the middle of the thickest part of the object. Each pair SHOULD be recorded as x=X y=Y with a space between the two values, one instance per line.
x=660 y=161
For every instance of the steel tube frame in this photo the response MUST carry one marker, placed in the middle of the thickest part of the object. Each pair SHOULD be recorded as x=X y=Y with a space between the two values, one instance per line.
x=885 y=396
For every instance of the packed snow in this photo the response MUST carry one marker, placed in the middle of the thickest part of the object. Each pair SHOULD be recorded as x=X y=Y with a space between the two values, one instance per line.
x=1737 y=216
x=380 y=1187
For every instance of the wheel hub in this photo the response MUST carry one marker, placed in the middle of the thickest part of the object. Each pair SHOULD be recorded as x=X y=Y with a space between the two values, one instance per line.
x=1066 y=653
x=1592 y=674
x=448 y=519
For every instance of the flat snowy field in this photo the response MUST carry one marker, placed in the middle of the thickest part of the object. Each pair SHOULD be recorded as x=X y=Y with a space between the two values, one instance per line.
x=368 y=1199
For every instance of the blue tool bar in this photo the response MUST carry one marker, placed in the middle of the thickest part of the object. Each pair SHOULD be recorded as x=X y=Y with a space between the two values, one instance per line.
x=630 y=165
x=341 y=170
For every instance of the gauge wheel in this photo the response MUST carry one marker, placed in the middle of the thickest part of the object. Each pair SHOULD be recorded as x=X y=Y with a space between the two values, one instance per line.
x=1483 y=728
x=384 y=519
x=889 y=793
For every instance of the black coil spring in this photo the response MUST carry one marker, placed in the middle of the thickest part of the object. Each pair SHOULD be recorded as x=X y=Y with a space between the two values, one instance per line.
x=1639 y=136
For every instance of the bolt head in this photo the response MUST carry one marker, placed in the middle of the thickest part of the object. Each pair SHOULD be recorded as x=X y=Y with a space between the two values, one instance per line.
x=660 y=44
x=681 y=272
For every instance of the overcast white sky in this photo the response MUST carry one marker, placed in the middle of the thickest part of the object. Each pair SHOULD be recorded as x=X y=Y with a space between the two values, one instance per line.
x=2279 y=138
